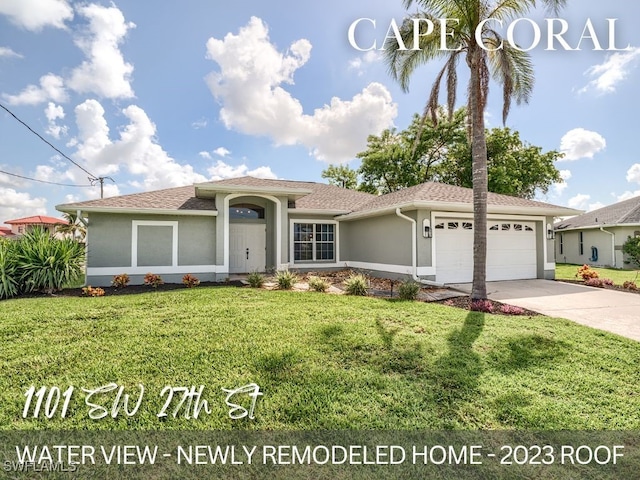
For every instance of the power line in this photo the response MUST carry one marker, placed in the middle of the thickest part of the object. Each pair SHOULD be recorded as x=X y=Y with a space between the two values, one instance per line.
x=44 y=181
x=92 y=178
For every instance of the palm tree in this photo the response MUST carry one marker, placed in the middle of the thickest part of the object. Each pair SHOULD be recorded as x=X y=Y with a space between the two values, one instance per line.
x=74 y=227
x=496 y=58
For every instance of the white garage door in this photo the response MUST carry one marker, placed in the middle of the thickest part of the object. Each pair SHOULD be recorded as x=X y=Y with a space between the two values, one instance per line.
x=511 y=250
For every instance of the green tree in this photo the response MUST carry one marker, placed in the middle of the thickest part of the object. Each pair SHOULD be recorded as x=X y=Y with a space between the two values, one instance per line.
x=341 y=176
x=399 y=160
x=494 y=57
x=632 y=248
x=74 y=227
x=514 y=167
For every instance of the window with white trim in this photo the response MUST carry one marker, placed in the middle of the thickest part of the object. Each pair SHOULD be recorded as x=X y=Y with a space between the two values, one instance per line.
x=314 y=242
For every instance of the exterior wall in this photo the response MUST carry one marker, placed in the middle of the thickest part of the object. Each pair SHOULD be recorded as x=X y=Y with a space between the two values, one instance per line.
x=591 y=238
x=110 y=247
x=622 y=233
x=377 y=240
x=545 y=262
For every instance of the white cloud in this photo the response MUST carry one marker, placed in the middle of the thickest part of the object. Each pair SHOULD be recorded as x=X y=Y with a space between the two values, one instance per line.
x=223 y=170
x=580 y=143
x=581 y=202
x=360 y=64
x=205 y=155
x=249 y=87
x=55 y=112
x=627 y=195
x=611 y=72
x=105 y=73
x=198 y=124
x=7 y=52
x=561 y=186
x=36 y=14
x=633 y=174
x=221 y=152
x=14 y=204
x=51 y=88
x=136 y=150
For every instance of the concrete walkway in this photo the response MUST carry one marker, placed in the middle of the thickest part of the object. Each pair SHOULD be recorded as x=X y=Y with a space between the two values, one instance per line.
x=609 y=310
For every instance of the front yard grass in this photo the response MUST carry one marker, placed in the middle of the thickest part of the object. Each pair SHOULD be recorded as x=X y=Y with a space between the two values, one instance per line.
x=321 y=361
x=567 y=271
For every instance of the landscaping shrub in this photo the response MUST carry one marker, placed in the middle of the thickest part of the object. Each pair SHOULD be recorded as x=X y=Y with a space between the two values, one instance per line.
x=485 y=306
x=598 y=282
x=153 y=280
x=511 y=310
x=408 y=290
x=255 y=279
x=9 y=286
x=90 y=291
x=286 y=279
x=356 y=285
x=318 y=284
x=632 y=248
x=45 y=263
x=190 y=281
x=120 y=281
x=629 y=285
x=586 y=272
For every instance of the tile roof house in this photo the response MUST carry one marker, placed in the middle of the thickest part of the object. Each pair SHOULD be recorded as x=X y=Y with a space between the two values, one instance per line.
x=21 y=225
x=596 y=238
x=247 y=224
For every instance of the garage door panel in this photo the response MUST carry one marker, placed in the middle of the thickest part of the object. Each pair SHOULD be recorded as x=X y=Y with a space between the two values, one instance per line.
x=511 y=250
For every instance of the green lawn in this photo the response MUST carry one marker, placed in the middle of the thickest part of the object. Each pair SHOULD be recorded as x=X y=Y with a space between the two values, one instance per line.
x=321 y=361
x=567 y=271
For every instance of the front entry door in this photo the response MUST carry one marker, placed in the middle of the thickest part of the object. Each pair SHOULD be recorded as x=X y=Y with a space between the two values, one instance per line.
x=247 y=247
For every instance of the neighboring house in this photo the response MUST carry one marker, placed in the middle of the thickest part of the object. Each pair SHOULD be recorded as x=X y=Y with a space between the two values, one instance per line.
x=22 y=225
x=248 y=224
x=5 y=232
x=596 y=237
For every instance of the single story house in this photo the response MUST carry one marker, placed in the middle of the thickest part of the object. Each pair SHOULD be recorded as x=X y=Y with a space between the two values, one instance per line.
x=596 y=238
x=240 y=225
x=5 y=232
x=22 y=225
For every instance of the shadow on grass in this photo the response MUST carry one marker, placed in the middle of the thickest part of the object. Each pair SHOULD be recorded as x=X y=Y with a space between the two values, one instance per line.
x=456 y=374
x=527 y=351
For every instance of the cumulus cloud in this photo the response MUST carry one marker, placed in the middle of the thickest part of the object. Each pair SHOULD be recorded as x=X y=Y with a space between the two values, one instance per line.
x=198 y=124
x=223 y=170
x=205 y=155
x=360 y=64
x=136 y=150
x=105 y=72
x=14 y=204
x=37 y=14
x=561 y=186
x=7 y=52
x=633 y=174
x=580 y=143
x=51 y=88
x=221 y=152
x=608 y=74
x=581 y=202
x=627 y=195
x=53 y=113
x=249 y=86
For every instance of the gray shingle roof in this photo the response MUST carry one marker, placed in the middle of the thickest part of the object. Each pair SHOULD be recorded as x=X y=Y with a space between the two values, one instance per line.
x=440 y=192
x=311 y=195
x=180 y=198
x=625 y=212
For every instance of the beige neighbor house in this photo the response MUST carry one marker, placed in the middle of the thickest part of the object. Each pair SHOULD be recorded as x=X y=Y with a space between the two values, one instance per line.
x=248 y=224
x=596 y=238
x=22 y=225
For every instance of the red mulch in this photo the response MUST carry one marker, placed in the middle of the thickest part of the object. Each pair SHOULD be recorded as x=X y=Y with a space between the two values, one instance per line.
x=465 y=304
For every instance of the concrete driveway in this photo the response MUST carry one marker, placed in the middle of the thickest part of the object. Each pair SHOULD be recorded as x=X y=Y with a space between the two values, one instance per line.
x=609 y=310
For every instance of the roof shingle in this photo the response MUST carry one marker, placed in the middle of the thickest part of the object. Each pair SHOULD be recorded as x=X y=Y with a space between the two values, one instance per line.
x=625 y=212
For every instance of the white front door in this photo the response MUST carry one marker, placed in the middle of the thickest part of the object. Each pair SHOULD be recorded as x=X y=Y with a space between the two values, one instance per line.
x=247 y=247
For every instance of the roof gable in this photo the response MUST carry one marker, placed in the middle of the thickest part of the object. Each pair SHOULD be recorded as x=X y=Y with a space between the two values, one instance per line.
x=37 y=220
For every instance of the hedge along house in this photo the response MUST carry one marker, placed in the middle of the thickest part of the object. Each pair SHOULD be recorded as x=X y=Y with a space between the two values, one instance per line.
x=247 y=224
x=596 y=238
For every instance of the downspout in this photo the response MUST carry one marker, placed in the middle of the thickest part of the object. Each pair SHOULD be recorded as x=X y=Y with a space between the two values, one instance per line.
x=613 y=245
x=414 y=250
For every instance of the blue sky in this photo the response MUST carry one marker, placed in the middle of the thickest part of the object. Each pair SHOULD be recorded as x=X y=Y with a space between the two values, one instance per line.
x=161 y=94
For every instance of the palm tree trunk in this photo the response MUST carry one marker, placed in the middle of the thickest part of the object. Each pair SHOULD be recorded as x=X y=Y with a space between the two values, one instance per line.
x=479 y=177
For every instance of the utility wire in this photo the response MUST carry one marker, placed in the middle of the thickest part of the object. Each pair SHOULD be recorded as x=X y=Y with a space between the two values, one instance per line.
x=44 y=181
x=92 y=177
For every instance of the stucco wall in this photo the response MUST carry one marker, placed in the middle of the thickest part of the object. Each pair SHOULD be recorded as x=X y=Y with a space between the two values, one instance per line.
x=385 y=240
x=591 y=238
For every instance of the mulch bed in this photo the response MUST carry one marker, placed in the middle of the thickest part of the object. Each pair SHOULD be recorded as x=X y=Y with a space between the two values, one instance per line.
x=620 y=288
x=464 y=302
